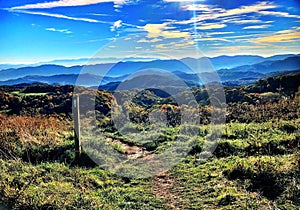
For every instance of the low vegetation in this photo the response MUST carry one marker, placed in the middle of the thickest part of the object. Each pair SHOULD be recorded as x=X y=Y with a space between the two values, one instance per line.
x=256 y=164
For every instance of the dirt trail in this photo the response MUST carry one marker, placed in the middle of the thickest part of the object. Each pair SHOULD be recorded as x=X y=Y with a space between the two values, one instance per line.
x=132 y=152
x=162 y=183
x=162 y=188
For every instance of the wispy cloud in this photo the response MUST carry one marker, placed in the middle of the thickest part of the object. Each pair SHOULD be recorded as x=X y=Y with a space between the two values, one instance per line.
x=239 y=48
x=175 y=34
x=158 y=30
x=213 y=39
x=278 y=37
x=201 y=7
x=161 y=46
x=99 y=14
x=185 y=44
x=216 y=13
x=154 y=30
x=149 y=40
x=279 y=14
x=183 y=1
x=257 y=27
x=241 y=37
x=293 y=29
x=65 y=31
x=209 y=26
x=58 y=16
x=245 y=21
x=96 y=40
x=67 y=3
x=116 y=25
x=181 y=44
x=219 y=33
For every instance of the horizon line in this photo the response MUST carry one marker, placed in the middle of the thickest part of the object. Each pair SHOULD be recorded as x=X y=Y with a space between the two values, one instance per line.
x=117 y=59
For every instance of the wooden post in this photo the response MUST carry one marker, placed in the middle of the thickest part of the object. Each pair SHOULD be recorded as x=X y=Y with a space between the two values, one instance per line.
x=76 y=113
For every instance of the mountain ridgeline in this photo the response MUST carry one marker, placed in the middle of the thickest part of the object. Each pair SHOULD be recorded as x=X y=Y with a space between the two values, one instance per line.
x=49 y=99
x=231 y=70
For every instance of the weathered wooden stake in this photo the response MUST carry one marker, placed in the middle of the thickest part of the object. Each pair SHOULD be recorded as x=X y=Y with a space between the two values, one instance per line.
x=76 y=113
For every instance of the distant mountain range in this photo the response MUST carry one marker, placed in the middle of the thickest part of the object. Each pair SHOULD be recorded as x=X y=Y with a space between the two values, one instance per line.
x=225 y=62
x=64 y=79
x=78 y=62
x=289 y=63
x=244 y=69
x=218 y=62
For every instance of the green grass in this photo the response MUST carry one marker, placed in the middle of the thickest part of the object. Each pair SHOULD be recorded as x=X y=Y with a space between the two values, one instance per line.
x=60 y=186
x=18 y=93
x=255 y=166
x=209 y=185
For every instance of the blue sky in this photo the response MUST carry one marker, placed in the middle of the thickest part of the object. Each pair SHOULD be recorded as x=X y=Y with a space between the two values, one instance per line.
x=35 y=31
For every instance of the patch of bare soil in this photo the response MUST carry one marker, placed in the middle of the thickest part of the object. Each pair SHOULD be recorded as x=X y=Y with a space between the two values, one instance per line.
x=162 y=188
x=132 y=152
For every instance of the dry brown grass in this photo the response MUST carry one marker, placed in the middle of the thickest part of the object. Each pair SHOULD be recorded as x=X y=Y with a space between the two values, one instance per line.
x=25 y=132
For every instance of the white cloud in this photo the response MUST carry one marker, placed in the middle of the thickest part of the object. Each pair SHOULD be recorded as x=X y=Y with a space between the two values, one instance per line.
x=242 y=37
x=220 y=33
x=161 y=46
x=99 y=14
x=201 y=7
x=279 y=14
x=257 y=27
x=149 y=41
x=116 y=25
x=180 y=45
x=292 y=35
x=175 y=34
x=213 y=39
x=154 y=30
x=58 y=16
x=245 y=21
x=159 y=30
x=67 y=3
x=65 y=31
x=249 y=9
x=184 y=1
x=209 y=26
x=216 y=13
